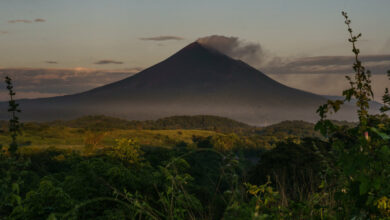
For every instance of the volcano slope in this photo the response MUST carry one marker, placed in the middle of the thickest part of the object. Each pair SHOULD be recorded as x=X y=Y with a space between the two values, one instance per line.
x=197 y=80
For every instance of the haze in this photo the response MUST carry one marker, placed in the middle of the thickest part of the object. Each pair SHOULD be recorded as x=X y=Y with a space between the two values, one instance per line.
x=62 y=47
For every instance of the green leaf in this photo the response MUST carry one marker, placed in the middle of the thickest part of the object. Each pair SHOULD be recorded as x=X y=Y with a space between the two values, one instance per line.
x=382 y=135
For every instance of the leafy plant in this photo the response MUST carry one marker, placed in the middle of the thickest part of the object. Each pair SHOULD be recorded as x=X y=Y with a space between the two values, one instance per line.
x=266 y=199
x=127 y=150
x=386 y=98
x=362 y=153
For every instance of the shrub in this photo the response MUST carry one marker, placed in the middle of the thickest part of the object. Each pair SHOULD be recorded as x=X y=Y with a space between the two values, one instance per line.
x=362 y=153
x=127 y=150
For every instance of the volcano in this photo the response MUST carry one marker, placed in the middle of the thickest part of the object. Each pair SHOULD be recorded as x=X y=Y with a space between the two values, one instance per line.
x=197 y=80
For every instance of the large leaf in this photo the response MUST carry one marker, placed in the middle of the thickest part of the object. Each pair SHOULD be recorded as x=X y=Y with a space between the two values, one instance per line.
x=381 y=134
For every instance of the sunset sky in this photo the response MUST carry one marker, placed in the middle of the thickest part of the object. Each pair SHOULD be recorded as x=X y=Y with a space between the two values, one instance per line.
x=126 y=36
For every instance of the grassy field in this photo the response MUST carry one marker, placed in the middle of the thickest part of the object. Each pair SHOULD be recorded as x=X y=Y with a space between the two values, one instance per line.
x=66 y=138
x=101 y=132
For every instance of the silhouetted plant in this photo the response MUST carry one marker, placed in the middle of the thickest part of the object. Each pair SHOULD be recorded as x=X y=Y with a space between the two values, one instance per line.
x=386 y=98
x=362 y=153
x=14 y=125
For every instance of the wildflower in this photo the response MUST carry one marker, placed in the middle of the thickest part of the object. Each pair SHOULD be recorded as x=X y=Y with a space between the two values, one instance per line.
x=366 y=136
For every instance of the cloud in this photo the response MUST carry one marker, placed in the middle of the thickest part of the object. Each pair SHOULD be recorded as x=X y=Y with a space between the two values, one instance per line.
x=377 y=64
x=386 y=47
x=46 y=82
x=328 y=84
x=162 y=38
x=133 y=70
x=102 y=62
x=3 y=32
x=39 y=20
x=322 y=75
x=19 y=21
x=256 y=56
x=51 y=62
x=26 y=21
x=251 y=53
x=29 y=95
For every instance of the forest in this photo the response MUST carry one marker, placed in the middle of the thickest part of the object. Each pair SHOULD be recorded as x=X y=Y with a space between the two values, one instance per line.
x=200 y=167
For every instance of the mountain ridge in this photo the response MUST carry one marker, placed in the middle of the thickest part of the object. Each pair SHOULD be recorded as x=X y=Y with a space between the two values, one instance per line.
x=196 y=80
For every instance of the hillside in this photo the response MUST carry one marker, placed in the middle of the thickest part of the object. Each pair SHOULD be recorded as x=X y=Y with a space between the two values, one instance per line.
x=197 y=122
x=165 y=132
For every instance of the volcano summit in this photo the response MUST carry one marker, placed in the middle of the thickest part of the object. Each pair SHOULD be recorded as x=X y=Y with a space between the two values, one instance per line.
x=197 y=80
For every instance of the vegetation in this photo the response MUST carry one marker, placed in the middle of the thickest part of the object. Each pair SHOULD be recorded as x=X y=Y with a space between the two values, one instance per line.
x=14 y=127
x=101 y=131
x=199 y=122
x=361 y=153
x=202 y=167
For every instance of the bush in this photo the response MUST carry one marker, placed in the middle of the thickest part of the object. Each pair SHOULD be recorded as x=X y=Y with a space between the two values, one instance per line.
x=127 y=150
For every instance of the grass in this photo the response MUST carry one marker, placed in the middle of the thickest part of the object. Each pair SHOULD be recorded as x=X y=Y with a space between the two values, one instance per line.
x=41 y=136
x=159 y=137
x=66 y=138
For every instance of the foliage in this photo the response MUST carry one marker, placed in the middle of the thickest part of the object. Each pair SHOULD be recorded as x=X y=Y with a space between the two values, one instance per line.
x=43 y=201
x=11 y=183
x=290 y=129
x=386 y=98
x=93 y=167
x=40 y=136
x=266 y=200
x=362 y=153
x=296 y=169
x=198 y=122
x=177 y=203
x=127 y=150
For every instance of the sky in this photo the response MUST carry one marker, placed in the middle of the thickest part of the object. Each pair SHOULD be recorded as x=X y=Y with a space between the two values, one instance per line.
x=59 y=41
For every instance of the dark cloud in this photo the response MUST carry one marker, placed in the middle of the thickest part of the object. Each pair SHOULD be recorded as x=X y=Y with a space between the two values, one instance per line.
x=377 y=64
x=51 y=62
x=26 y=21
x=101 y=62
x=45 y=82
x=40 y=20
x=162 y=38
x=19 y=21
x=251 y=53
x=3 y=32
